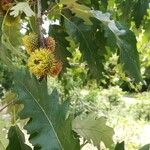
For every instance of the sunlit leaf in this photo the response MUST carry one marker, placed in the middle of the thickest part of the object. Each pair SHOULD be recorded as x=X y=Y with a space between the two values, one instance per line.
x=79 y=10
x=22 y=7
x=95 y=129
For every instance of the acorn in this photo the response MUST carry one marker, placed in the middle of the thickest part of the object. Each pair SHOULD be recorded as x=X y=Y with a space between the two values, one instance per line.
x=31 y=42
x=50 y=43
x=41 y=61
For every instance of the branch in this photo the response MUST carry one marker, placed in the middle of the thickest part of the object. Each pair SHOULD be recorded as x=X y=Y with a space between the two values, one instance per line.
x=40 y=21
x=10 y=103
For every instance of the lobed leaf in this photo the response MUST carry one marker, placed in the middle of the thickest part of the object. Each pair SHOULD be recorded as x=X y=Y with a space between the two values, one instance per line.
x=120 y=146
x=16 y=139
x=145 y=147
x=22 y=7
x=81 y=11
x=94 y=129
x=92 y=50
x=59 y=34
x=140 y=10
x=125 y=40
x=49 y=127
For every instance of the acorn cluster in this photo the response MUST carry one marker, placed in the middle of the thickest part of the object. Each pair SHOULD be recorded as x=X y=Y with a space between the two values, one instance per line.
x=42 y=61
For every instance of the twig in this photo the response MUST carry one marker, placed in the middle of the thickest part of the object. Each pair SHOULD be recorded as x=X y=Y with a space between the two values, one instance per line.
x=10 y=103
x=82 y=145
x=39 y=19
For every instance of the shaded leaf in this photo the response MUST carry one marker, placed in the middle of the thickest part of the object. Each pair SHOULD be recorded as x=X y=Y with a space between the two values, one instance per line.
x=126 y=42
x=145 y=147
x=16 y=139
x=120 y=146
x=33 y=24
x=59 y=34
x=92 y=50
x=129 y=56
x=95 y=129
x=45 y=4
x=140 y=10
x=48 y=126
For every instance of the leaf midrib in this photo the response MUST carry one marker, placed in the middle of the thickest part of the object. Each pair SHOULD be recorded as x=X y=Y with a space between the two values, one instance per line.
x=44 y=113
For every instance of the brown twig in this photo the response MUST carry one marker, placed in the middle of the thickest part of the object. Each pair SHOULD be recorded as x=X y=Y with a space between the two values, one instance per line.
x=10 y=103
x=40 y=21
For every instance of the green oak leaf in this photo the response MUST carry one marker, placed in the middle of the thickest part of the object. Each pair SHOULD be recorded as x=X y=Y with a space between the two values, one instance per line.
x=140 y=10
x=120 y=146
x=95 y=129
x=81 y=11
x=1 y=146
x=125 y=41
x=145 y=147
x=21 y=7
x=86 y=37
x=49 y=127
x=59 y=34
x=146 y=36
x=11 y=37
x=45 y=4
x=16 y=139
x=1 y=21
x=4 y=126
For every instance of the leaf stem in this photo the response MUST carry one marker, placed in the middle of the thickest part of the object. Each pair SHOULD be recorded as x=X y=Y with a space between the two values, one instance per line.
x=10 y=103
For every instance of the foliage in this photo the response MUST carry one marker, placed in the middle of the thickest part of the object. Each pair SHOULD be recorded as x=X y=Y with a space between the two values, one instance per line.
x=141 y=111
x=120 y=146
x=4 y=126
x=5 y=79
x=22 y=7
x=145 y=147
x=46 y=109
x=94 y=129
x=15 y=135
x=86 y=34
